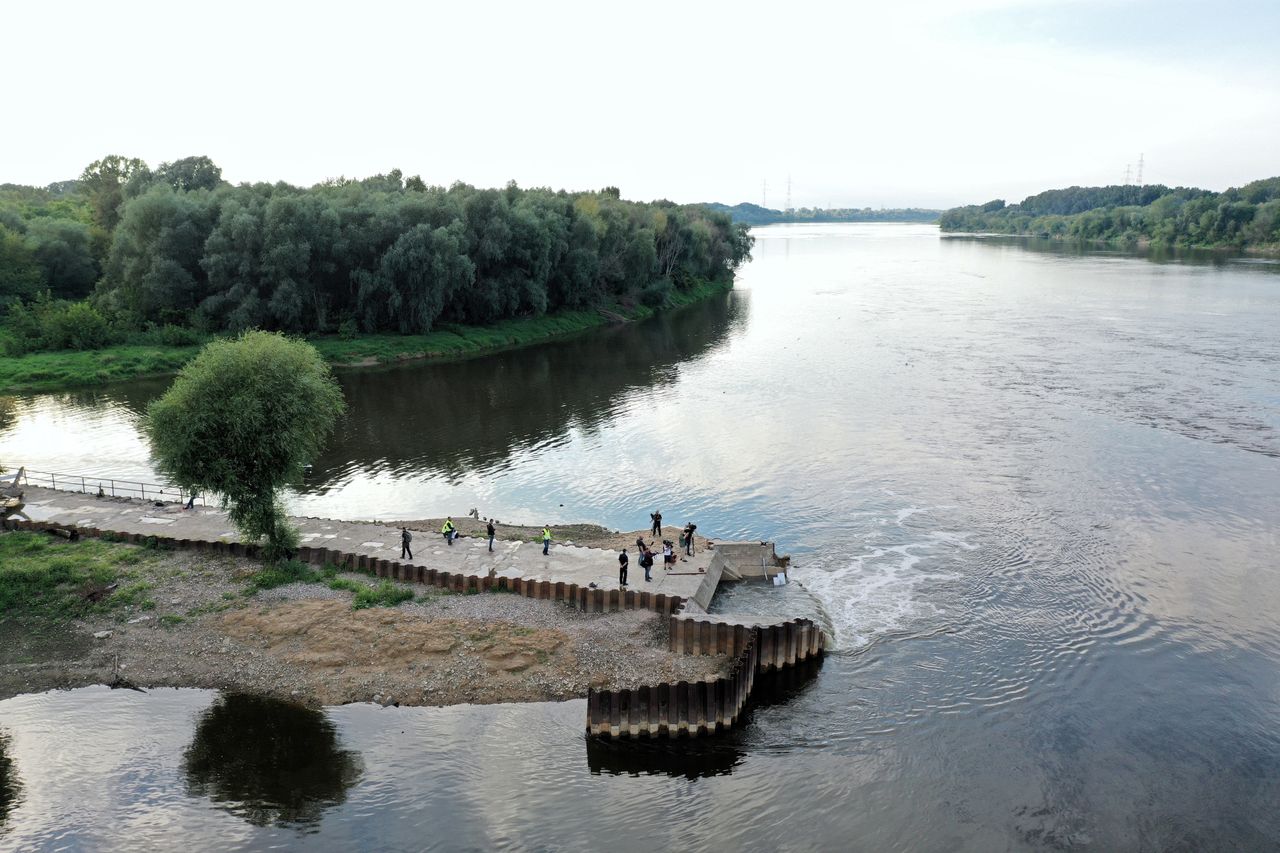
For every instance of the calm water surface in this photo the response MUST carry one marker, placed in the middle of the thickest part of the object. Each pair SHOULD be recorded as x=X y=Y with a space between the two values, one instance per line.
x=1033 y=494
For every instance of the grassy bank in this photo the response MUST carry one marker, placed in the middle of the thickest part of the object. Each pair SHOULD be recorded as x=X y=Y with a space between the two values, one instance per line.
x=67 y=369
x=53 y=579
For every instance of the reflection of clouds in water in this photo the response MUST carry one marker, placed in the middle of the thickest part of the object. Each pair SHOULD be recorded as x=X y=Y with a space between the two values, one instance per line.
x=98 y=765
x=64 y=433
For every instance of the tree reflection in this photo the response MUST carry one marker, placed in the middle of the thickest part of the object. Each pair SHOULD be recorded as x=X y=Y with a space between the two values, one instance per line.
x=10 y=788
x=269 y=762
x=454 y=417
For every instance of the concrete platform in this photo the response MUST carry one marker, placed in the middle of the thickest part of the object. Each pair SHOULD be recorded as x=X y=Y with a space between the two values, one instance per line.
x=567 y=563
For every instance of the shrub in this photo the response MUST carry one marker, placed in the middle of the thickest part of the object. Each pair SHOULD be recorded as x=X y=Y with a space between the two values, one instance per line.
x=385 y=594
x=281 y=574
x=655 y=294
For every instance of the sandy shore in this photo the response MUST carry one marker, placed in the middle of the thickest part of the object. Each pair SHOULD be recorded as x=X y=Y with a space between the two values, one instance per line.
x=304 y=642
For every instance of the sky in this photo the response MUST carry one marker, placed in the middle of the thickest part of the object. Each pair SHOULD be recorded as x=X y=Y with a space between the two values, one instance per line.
x=928 y=103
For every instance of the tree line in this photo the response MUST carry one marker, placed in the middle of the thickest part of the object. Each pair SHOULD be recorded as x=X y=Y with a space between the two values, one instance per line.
x=754 y=214
x=176 y=252
x=1245 y=217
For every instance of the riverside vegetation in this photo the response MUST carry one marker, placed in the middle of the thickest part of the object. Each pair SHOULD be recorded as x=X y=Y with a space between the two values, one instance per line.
x=1244 y=219
x=126 y=270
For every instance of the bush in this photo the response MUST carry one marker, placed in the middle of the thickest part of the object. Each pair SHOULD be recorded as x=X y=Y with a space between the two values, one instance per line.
x=282 y=574
x=54 y=324
x=655 y=294
x=170 y=335
x=385 y=594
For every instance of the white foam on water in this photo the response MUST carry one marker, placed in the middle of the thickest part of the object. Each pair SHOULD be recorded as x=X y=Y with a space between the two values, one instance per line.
x=885 y=589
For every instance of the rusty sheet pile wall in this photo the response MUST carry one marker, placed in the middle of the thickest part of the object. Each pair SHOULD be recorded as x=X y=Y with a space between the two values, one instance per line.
x=703 y=707
x=591 y=600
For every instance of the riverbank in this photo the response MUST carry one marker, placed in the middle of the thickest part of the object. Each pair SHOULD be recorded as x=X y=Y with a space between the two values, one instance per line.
x=74 y=614
x=71 y=369
x=1138 y=245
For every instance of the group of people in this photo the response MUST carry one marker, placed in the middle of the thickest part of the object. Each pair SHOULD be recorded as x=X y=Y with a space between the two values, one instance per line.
x=450 y=532
x=648 y=555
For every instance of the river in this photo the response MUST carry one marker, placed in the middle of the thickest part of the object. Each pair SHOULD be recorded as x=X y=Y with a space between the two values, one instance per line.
x=1032 y=493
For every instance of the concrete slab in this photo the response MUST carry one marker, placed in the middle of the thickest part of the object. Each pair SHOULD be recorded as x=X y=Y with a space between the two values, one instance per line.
x=567 y=563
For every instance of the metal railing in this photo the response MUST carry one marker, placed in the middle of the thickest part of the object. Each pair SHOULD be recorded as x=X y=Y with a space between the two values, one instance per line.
x=91 y=484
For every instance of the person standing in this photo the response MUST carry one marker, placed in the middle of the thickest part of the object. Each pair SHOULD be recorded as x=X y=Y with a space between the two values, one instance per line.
x=405 y=538
x=688 y=538
x=646 y=563
x=656 y=518
x=449 y=530
x=491 y=532
x=546 y=539
x=668 y=554
x=623 y=560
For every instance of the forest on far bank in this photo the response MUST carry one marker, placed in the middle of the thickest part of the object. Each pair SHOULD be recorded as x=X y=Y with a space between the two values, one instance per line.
x=168 y=255
x=754 y=214
x=1240 y=218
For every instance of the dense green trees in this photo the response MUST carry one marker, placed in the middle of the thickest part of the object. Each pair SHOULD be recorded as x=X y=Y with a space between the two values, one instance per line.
x=1244 y=217
x=240 y=421
x=178 y=246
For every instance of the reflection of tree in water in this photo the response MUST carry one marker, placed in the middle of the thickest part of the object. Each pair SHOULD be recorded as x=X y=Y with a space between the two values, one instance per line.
x=10 y=788
x=8 y=409
x=459 y=416
x=269 y=761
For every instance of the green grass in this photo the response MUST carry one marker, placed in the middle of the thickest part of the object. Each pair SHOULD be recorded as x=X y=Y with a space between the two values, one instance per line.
x=45 y=577
x=282 y=574
x=385 y=594
x=52 y=371
x=347 y=584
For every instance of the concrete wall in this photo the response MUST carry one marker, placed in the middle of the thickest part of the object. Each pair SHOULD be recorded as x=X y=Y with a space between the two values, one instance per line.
x=743 y=560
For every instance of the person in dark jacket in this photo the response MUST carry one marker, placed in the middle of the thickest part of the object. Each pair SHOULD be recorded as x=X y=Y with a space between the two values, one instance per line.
x=490 y=532
x=656 y=518
x=688 y=538
x=623 y=560
x=646 y=562
x=405 y=538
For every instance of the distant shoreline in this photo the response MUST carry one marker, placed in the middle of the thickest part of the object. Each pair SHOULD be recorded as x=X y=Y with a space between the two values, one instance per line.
x=1141 y=245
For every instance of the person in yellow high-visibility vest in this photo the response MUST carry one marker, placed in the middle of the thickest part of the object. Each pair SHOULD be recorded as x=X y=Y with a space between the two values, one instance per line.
x=546 y=539
x=449 y=530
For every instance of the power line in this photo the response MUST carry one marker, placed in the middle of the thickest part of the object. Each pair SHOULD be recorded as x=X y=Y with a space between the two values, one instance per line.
x=1140 y=158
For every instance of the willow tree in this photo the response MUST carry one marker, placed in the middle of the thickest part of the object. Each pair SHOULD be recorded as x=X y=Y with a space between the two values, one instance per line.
x=241 y=421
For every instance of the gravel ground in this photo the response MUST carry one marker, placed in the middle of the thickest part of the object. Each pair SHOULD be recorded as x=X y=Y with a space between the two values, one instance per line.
x=305 y=643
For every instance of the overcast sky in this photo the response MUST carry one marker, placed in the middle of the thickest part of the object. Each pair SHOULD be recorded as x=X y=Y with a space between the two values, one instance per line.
x=925 y=103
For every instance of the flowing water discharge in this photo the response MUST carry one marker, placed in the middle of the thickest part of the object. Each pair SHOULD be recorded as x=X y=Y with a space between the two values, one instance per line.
x=1031 y=493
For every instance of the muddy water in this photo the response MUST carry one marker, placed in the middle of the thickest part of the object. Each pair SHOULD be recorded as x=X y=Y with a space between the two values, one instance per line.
x=1033 y=493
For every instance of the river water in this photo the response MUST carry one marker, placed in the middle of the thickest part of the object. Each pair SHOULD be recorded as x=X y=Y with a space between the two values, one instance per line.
x=1032 y=493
